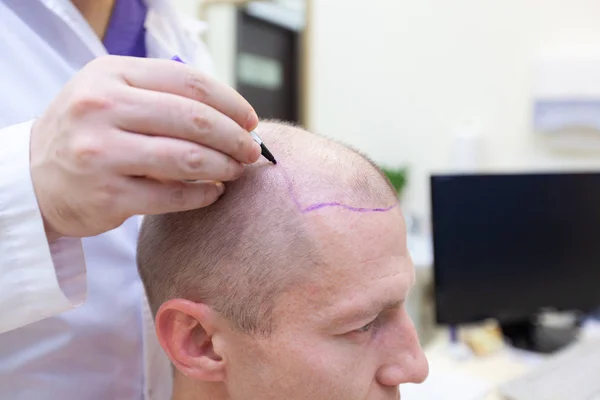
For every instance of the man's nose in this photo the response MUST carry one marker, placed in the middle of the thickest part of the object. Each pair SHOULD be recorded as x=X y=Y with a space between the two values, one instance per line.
x=405 y=361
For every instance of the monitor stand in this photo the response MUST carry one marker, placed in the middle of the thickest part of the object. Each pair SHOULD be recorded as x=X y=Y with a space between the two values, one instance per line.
x=596 y=314
x=535 y=335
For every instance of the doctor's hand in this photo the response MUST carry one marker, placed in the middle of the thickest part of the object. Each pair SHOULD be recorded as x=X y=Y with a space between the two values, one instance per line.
x=127 y=135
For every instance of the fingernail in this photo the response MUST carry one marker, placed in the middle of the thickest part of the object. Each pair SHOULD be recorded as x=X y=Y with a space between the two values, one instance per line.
x=252 y=121
x=220 y=188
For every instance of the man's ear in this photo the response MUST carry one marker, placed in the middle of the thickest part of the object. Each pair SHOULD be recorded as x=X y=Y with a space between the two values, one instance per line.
x=185 y=331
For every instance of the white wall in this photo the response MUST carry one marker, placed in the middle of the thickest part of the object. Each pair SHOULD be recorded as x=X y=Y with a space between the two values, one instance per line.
x=396 y=78
x=188 y=7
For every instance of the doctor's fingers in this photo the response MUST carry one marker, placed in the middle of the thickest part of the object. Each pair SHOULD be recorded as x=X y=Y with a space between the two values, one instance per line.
x=164 y=114
x=168 y=159
x=181 y=79
x=147 y=197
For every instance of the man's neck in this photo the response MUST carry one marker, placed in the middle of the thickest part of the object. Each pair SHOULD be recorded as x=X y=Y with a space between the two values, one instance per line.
x=97 y=13
x=186 y=389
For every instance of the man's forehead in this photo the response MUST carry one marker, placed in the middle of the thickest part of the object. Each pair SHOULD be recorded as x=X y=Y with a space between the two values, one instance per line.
x=373 y=274
x=343 y=236
x=357 y=248
x=337 y=298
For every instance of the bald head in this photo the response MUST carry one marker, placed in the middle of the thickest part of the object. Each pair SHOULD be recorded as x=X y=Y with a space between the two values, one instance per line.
x=239 y=254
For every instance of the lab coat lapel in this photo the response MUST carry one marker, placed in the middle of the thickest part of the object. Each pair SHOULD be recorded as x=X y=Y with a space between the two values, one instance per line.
x=72 y=18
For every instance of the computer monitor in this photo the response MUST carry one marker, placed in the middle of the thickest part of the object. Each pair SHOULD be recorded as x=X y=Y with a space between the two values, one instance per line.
x=509 y=245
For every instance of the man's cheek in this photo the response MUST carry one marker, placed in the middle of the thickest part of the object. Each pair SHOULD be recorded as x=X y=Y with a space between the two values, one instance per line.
x=309 y=360
x=328 y=365
x=321 y=370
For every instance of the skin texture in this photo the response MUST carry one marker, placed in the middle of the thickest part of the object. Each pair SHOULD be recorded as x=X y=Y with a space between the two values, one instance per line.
x=96 y=12
x=339 y=328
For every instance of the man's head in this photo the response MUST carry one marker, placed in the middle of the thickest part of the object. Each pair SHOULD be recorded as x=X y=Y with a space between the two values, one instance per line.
x=291 y=286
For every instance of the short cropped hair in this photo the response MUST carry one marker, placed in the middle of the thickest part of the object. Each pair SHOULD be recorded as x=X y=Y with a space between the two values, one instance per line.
x=241 y=253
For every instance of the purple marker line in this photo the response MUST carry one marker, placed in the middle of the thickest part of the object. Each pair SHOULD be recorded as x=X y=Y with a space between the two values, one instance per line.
x=318 y=206
x=290 y=188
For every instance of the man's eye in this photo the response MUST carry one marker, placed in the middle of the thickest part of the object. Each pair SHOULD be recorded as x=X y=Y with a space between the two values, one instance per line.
x=366 y=328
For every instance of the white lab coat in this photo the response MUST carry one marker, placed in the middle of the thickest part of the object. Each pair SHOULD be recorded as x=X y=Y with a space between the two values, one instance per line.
x=74 y=321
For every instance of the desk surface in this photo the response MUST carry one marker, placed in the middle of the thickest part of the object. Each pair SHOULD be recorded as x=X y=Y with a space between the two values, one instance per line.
x=496 y=369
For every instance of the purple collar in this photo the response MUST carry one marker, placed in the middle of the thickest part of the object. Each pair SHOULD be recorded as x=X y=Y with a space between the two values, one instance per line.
x=126 y=33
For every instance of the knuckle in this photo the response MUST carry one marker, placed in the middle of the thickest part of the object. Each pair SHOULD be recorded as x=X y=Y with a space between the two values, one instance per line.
x=106 y=197
x=83 y=104
x=194 y=162
x=178 y=196
x=244 y=143
x=86 y=150
x=198 y=85
x=202 y=123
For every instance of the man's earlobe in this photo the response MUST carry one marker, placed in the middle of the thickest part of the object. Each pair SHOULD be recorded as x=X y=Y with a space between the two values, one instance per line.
x=185 y=331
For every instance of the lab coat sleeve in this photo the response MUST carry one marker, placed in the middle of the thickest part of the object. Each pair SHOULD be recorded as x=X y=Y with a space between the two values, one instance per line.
x=37 y=280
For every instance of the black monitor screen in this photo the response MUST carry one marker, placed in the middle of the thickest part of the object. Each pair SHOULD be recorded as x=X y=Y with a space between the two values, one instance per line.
x=507 y=246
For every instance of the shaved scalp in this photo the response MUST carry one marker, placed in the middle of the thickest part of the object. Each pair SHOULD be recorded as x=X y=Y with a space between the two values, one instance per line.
x=239 y=254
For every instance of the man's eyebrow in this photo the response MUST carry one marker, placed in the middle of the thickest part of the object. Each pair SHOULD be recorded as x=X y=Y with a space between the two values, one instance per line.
x=369 y=312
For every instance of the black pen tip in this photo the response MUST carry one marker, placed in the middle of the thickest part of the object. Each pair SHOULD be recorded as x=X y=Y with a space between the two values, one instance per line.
x=267 y=154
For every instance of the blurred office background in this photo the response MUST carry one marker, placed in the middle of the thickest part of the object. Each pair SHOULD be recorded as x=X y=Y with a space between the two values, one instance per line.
x=434 y=86
x=429 y=87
